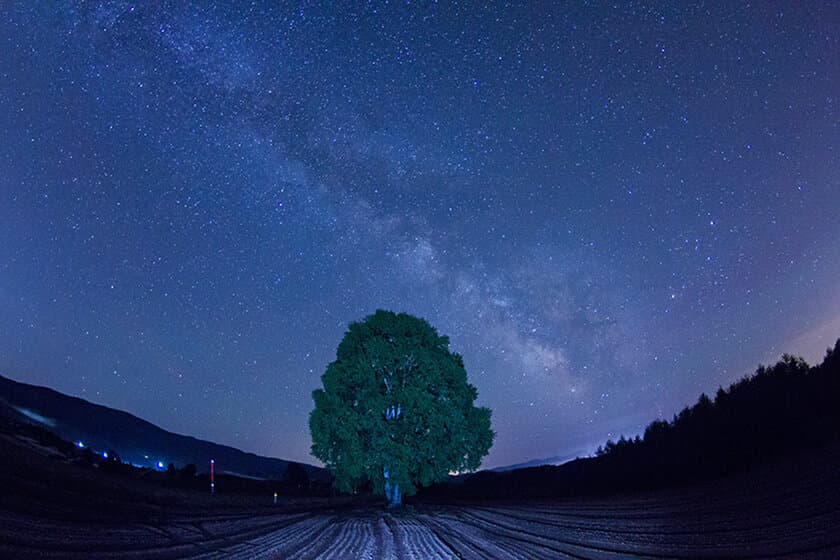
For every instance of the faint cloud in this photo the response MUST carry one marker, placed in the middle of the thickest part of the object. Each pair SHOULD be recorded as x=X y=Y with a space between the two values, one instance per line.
x=365 y=218
x=487 y=311
x=217 y=53
x=34 y=416
x=533 y=356
x=500 y=327
x=419 y=258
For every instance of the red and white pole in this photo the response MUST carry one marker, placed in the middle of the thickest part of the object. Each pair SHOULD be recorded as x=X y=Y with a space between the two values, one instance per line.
x=212 y=476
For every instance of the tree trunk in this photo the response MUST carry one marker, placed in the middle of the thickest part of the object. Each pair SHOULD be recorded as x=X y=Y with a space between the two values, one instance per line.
x=392 y=493
x=395 y=499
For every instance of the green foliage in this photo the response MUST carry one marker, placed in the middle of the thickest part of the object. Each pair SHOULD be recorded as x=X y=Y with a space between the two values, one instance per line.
x=386 y=360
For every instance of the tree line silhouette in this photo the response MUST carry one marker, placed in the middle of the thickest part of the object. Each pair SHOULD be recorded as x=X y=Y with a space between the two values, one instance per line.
x=786 y=408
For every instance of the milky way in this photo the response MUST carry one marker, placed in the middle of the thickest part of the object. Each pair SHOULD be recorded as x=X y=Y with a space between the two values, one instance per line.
x=608 y=211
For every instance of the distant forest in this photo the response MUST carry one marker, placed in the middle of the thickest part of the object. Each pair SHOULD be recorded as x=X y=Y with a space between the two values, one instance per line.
x=790 y=407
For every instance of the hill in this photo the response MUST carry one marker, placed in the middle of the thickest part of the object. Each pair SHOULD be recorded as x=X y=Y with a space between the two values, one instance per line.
x=556 y=460
x=55 y=505
x=788 y=409
x=135 y=440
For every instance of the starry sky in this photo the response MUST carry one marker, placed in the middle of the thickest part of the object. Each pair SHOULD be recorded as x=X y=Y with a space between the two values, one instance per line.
x=608 y=209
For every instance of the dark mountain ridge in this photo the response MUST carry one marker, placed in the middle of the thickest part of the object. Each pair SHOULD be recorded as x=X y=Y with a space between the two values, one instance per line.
x=135 y=440
x=787 y=409
x=542 y=461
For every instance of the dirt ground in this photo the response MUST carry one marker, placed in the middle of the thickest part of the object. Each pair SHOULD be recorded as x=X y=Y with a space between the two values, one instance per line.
x=53 y=510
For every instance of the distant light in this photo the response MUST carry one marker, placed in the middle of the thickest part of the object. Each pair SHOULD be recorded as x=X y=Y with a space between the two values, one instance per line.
x=104 y=454
x=160 y=464
x=80 y=445
x=212 y=461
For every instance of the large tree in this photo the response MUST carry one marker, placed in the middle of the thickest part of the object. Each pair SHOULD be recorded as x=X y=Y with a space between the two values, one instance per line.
x=396 y=410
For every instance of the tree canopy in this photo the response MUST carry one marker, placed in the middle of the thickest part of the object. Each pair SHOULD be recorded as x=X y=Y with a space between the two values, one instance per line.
x=396 y=410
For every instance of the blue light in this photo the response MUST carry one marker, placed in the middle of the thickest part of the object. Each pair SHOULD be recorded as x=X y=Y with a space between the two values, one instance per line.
x=80 y=445
x=160 y=464
x=104 y=454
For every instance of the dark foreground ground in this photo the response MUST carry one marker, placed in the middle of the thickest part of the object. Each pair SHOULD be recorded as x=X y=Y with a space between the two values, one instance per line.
x=53 y=510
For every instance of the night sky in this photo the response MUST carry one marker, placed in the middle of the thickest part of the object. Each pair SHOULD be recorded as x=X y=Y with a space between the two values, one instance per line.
x=608 y=210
